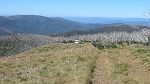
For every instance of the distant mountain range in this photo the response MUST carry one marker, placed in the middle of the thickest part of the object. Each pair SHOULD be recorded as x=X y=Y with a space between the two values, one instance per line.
x=35 y=24
x=136 y=21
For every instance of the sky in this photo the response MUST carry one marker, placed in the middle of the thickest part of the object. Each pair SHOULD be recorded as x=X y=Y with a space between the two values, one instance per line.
x=76 y=8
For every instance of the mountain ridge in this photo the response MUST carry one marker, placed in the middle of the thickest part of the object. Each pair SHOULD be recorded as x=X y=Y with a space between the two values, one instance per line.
x=136 y=21
x=37 y=24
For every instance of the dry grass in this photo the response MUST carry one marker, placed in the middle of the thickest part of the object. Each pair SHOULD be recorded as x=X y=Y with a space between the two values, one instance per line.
x=123 y=65
x=50 y=64
x=73 y=64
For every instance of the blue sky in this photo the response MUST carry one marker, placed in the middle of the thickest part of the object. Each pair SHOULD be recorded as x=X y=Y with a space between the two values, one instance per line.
x=76 y=8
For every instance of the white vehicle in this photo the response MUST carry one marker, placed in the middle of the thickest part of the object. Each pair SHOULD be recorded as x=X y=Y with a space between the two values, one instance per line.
x=77 y=41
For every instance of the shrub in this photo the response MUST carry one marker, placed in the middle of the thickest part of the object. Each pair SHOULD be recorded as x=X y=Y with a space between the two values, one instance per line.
x=142 y=50
x=102 y=45
x=122 y=68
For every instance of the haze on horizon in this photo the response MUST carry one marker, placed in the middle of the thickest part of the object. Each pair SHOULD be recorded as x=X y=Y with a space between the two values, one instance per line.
x=76 y=8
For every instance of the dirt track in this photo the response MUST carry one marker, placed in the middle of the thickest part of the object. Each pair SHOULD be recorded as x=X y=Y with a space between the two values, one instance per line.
x=103 y=70
x=107 y=73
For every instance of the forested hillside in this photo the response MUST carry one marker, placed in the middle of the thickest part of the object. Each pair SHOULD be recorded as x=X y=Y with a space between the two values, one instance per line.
x=14 y=44
x=34 y=24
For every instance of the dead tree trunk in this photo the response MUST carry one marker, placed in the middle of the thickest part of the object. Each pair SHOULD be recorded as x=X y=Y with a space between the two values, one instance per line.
x=149 y=40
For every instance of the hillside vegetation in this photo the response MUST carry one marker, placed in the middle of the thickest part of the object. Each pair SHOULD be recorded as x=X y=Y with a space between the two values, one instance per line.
x=50 y=64
x=14 y=44
x=109 y=28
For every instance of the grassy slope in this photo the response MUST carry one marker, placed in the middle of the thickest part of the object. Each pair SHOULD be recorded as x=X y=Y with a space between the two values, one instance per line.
x=123 y=65
x=50 y=64
x=73 y=63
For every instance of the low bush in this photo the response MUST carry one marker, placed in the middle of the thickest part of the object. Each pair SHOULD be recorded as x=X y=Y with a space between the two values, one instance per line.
x=122 y=68
x=106 y=45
